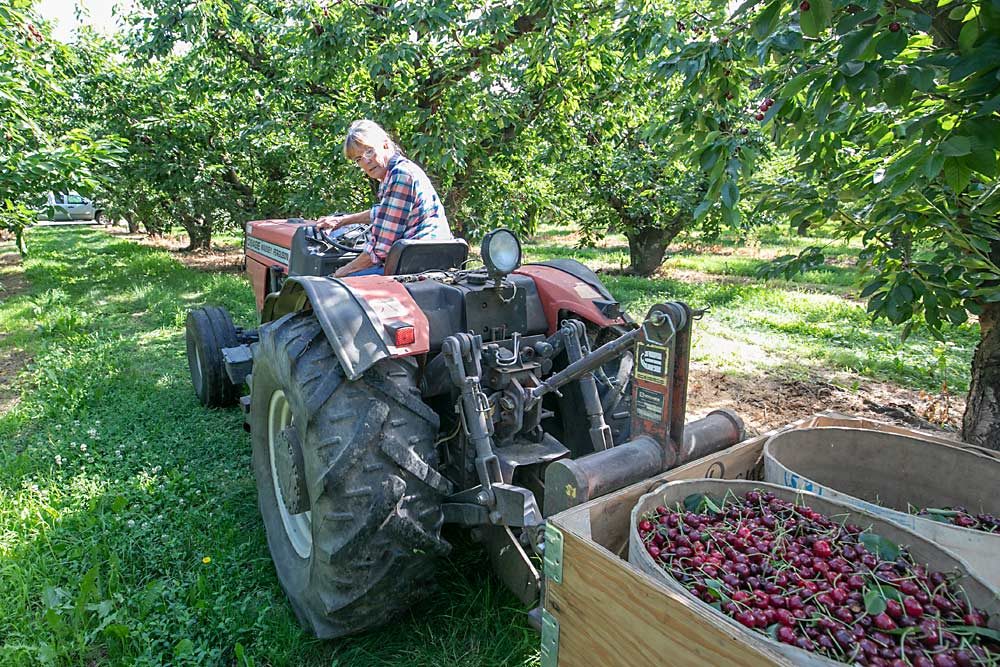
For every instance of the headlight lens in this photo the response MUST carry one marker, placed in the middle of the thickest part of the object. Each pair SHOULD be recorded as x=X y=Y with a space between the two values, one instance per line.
x=501 y=251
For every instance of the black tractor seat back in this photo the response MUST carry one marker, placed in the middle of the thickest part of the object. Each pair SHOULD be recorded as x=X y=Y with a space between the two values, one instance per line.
x=408 y=256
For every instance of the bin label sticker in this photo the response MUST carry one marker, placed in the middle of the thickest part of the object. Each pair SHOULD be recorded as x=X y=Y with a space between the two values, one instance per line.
x=649 y=404
x=652 y=363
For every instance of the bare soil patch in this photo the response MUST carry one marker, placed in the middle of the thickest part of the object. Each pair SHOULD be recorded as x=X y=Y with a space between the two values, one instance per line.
x=12 y=280
x=12 y=361
x=768 y=401
x=220 y=259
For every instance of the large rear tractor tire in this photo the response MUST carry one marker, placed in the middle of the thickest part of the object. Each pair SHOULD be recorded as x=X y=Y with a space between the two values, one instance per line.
x=208 y=330
x=346 y=480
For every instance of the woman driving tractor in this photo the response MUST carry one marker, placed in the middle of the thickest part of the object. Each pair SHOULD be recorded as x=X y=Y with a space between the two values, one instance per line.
x=408 y=207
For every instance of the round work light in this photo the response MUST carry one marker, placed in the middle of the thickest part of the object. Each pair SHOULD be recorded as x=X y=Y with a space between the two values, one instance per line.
x=501 y=252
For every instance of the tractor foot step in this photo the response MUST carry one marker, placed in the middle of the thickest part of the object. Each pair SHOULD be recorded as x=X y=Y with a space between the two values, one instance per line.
x=245 y=407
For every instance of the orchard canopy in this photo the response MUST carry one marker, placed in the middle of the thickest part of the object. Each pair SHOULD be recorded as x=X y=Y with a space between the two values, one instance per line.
x=878 y=119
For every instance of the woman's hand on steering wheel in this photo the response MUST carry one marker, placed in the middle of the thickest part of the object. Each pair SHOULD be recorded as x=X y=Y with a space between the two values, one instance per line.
x=329 y=222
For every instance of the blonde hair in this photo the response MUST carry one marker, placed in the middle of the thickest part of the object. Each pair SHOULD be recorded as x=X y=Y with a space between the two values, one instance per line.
x=369 y=134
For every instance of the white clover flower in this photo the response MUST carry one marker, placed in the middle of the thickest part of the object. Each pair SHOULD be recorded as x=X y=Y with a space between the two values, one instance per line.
x=131 y=523
x=58 y=427
x=92 y=432
x=58 y=460
x=83 y=446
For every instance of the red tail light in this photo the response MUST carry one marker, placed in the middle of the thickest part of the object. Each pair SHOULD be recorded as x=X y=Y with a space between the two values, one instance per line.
x=405 y=335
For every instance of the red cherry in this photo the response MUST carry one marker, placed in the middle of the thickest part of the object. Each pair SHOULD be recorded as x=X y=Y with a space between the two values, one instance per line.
x=822 y=548
x=759 y=116
x=786 y=635
x=804 y=5
x=883 y=622
x=645 y=526
x=894 y=26
x=912 y=607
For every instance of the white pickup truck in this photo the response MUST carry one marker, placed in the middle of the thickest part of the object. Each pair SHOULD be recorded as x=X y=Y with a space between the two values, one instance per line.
x=61 y=207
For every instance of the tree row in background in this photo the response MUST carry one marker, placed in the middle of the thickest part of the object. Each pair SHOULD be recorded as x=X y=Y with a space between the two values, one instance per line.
x=644 y=118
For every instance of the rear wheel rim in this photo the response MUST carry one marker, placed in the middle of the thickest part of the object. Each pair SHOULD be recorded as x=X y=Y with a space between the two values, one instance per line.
x=196 y=371
x=298 y=527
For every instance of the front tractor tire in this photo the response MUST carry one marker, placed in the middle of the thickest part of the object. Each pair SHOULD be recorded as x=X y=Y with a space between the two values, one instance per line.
x=208 y=330
x=346 y=480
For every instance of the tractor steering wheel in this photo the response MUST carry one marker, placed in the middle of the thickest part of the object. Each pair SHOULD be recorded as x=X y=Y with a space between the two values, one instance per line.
x=349 y=238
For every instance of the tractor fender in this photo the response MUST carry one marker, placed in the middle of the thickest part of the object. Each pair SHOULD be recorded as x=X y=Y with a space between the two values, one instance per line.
x=358 y=315
x=567 y=285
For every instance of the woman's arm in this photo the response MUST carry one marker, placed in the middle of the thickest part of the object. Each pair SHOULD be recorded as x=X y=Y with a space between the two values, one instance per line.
x=359 y=263
x=335 y=221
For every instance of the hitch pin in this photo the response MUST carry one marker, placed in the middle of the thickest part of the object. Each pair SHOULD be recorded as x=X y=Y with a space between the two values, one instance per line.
x=516 y=346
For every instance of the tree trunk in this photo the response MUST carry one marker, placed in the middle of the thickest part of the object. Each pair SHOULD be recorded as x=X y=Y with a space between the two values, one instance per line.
x=199 y=231
x=981 y=423
x=646 y=247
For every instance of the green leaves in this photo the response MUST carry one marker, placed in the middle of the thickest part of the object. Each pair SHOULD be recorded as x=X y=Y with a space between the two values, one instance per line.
x=816 y=18
x=874 y=602
x=891 y=44
x=700 y=503
x=880 y=546
x=856 y=45
x=956 y=146
x=767 y=20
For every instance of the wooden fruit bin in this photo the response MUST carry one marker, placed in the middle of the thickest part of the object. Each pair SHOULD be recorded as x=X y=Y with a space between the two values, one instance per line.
x=600 y=610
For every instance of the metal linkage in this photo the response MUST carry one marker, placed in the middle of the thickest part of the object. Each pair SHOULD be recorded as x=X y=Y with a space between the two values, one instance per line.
x=575 y=336
x=611 y=350
x=462 y=352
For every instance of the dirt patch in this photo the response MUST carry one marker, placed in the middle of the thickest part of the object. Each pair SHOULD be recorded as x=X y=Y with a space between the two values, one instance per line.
x=12 y=280
x=220 y=259
x=12 y=361
x=767 y=401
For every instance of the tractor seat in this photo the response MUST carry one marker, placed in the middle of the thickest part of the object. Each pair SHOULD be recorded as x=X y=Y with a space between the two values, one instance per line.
x=408 y=256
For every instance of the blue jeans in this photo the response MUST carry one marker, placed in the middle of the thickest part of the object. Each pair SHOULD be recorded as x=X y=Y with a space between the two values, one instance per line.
x=370 y=271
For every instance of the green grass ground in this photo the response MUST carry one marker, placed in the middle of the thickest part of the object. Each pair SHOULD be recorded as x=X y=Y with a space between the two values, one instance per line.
x=807 y=327
x=129 y=532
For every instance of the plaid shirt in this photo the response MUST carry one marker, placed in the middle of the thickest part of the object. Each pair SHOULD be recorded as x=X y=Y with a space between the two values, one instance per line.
x=409 y=208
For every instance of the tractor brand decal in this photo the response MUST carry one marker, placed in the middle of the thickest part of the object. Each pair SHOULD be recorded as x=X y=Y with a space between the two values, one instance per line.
x=651 y=363
x=648 y=404
x=270 y=250
x=388 y=309
x=585 y=291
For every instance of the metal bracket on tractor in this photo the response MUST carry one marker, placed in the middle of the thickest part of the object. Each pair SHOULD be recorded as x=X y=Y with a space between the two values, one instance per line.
x=660 y=438
x=662 y=350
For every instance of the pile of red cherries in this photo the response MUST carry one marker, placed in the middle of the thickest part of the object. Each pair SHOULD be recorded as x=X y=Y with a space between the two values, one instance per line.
x=818 y=584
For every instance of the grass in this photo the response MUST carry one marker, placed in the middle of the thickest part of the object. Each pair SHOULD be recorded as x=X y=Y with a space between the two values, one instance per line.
x=129 y=532
x=801 y=328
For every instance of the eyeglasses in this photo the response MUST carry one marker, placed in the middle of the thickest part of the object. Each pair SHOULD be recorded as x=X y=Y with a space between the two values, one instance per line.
x=367 y=156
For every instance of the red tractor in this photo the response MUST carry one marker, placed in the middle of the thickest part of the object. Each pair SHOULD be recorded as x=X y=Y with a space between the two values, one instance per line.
x=382 y=407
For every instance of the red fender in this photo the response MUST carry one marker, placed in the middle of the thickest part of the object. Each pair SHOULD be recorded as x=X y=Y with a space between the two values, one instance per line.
x=562 y=291
x=389 y=301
